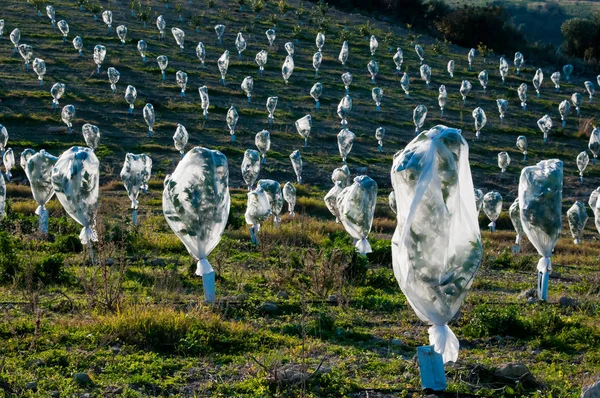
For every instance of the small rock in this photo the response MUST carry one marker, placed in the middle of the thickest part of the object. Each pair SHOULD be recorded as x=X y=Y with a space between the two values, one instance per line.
x=332 y=299
x=270 y=307
x=82 y=379
x=531 y=300
x=591 y=391
x=282 y=295
x=567 y=302
x=513 y=371
x=525 y=294
x=396 y=342
x=32 y=385
x=157 y=262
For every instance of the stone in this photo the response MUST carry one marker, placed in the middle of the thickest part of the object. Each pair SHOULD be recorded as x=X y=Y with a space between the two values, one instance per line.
x=591 y=391
x=513 y=371
x=32 y=385
x=282 y=295
x=525 y=294
x=396 y=342
x=157 y=262
x=568 y=302
x=531 y=300
x=270 y=307
x=332 y=299
x=82 y=379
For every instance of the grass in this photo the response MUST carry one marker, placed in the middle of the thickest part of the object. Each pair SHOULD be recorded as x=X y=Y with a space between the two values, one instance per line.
x=302 y=313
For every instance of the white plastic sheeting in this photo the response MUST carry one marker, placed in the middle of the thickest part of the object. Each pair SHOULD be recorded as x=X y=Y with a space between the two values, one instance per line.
x=577 y=99
x=38 y=168
x=567 y=70
x=231 y=119
x=343 y=56
x=163 y=63
x=450 y=68
x=223 y=64
x=181 y=78
x=205 y=100
x=57 y=91
x=435 y=263
x=75 y=180
x=250 y=167
x=373 y=69
x=522 y=145
x=99 y=55
x=345 y=140
x=538 y=78
x=519 y=61
x=113 y=78
x=289 y=194
x=130 y=97
x=196 y=206
x=594 y=143
x=540 y=200
x=341 y=175
x=503 y=161
x=258 y=210
x=425 y=71
x=67 y=115
x=149 y=117
x=522 y=93
x=39 y=67
x=405 y=84
x=287 y=69
x=379 y=134
x=303 y=126
x=261 y=60
x=515 y=217
x=583 y=159
x=274 y=195
x=502 y=108
x=419 y=115
x=296 y=160
x=180 y=139
x=316 y=91
x=555 y=77
x=564 y=108
x=492 y=207
x=247 y=86
x=465 y=89
x=134 y=176
x=271 y=106
x=377 y=95
x=480 y=120
x=344 y=108
x=577 y=217
x=545 y=125
x=442 y=98
x=91 y=135
x=262 y=140
x=483 y=79
x=356 y=208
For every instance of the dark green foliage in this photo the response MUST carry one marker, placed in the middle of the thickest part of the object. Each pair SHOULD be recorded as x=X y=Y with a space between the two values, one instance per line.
x=68 y=244
x=469 y=25
x=487 y=321
x=382 y=252
x=51 y=268
x=582 y=38
x=8 y=257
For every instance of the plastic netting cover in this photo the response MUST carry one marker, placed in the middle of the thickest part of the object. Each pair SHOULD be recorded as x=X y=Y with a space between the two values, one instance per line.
x=196 y=202
x=540 y=200
x=436 y=248
x=356 y=207
x=38 y=168
x=515 y=217
x=75 y=180
x=91 y=135
x=275 y=195
x=258 y=208
x=289 y=194
x=250 y=166
x=133 y=175
x=577 y=217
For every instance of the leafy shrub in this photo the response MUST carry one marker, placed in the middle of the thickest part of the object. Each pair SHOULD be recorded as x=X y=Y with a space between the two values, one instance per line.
x=487 y=321
x=582 y=38
x=51 y=268
x=68 y=244
x=8 y=257
x=470 y=25
x=382 y=252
